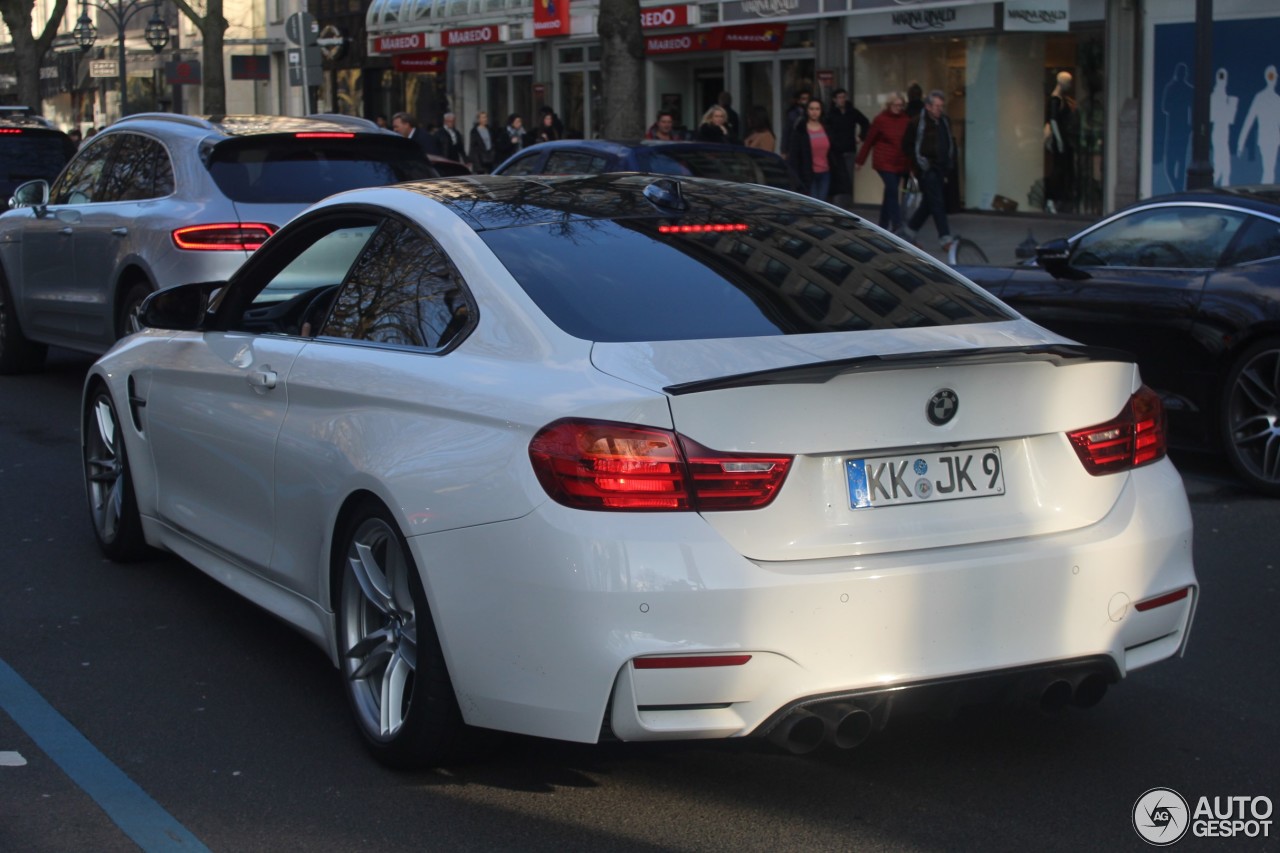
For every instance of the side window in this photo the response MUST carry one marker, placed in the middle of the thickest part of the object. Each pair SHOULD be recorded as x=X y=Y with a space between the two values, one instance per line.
x=524 y=166
x=575 y=163
x=1259 y=241
x=139 y=170
x=402 y=290
x=79 y=183
x=1164 y=237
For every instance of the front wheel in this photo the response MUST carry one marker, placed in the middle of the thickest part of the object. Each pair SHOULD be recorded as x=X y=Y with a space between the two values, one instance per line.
x=392 y=666
x=1251 y=416
x=17 y=354
x=113 y=507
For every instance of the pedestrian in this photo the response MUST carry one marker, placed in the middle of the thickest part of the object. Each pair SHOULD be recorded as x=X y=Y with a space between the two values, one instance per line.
x=556 y=124
x=715 y=127
x=734 y=123
x=450 y=140
x=407 y=126
x=796 y=112
x=663 y=128
x=810 y=154
x=511 y=139
x=74 y=135
x=848 y=128
x=760 y=131
x=884 y=143
x=483 y=154
x=547 y=129
x=380 y=120
x=915 y=100
x=930 y=147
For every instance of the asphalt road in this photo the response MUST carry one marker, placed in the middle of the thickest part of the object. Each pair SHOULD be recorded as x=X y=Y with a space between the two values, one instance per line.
x=215 y=727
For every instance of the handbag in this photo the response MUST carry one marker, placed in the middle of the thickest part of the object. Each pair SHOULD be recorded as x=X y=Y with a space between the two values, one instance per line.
x=910 y=196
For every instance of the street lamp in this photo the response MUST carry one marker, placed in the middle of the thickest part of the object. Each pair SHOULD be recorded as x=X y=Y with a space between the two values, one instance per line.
x=119 y=12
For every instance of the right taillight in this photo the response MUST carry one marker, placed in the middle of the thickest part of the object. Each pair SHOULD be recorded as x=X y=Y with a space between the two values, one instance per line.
x=1135 y=437
x=601 y=465
x=223 y=236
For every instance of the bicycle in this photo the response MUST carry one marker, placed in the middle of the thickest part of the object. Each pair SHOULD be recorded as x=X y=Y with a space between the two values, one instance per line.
x=965 y=251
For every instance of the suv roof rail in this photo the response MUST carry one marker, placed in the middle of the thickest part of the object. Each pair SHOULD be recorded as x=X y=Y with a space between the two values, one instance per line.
x=178 y=118
x=353 y=121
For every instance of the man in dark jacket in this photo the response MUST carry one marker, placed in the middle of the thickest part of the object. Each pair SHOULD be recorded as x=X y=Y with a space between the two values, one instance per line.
x=451 y=141
x=407 y=126
x=847 y=127
x=930 y=146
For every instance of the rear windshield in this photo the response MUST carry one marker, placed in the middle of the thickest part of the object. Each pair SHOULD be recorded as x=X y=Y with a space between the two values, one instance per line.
x=265 y=169
x=622 y=280
x=26 y=156
x=727 y=164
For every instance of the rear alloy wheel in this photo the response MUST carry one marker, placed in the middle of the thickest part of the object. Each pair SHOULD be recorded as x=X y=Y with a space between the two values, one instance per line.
x=112 y=504
x=129 y=312
x=392 y=665
x=1251 y=416
x=17 y=354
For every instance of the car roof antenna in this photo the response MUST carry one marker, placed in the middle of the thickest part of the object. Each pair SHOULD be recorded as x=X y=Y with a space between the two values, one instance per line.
x=665 y=193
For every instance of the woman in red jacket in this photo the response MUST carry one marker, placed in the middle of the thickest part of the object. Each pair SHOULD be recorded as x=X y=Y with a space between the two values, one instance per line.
x=884 y=143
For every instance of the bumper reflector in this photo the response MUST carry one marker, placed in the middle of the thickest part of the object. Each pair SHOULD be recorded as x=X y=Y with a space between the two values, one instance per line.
x=1162 y=600
x=689 y=661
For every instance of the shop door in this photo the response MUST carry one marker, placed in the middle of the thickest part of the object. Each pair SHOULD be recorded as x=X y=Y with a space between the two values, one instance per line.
x=771 y=83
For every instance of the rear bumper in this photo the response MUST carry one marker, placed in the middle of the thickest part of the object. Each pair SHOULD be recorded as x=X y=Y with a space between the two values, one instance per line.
x=541 y=618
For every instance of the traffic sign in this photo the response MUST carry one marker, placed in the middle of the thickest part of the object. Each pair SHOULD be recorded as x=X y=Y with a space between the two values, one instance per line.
x=301 y=29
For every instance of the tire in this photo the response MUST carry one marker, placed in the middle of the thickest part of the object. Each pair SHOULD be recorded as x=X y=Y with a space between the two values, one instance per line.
x=17 y=354
x=1251 y=416
x=127 y=321
x=113 y=507
x=392 y=666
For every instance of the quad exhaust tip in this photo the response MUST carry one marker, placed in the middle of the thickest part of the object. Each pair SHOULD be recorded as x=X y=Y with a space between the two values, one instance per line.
x=841 y=724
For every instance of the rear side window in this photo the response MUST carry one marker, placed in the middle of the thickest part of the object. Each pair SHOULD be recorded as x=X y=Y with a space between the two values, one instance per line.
x=527 y=165
x=623 y=280
x=575 y=163
x=293 y=170
x=139 y=170
x=1259 y=241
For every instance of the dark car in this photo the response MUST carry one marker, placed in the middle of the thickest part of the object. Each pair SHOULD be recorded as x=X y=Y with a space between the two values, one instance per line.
x=30 y=149
x=1189 y=283
x=689 y=159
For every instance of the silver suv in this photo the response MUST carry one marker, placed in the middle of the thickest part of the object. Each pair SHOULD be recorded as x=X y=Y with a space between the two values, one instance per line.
x=159 y=199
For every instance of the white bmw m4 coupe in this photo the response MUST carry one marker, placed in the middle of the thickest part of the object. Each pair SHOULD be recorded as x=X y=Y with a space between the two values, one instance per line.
x=640 y=457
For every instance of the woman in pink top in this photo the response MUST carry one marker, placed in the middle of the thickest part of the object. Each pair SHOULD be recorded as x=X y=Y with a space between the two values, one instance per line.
x=884 y=144
x=810 y=147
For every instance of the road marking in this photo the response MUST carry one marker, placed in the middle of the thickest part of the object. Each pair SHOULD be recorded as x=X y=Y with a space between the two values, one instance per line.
x=129 y=807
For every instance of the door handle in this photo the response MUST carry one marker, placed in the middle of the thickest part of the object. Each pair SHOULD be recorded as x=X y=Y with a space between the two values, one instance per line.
x=120 y=232
x=65 y=231
x=263 y=380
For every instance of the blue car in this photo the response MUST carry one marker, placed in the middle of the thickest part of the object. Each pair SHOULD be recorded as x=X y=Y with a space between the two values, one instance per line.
x=692 y=159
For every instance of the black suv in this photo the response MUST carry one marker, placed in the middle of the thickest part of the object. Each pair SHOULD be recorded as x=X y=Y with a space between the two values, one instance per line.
x=30 y=148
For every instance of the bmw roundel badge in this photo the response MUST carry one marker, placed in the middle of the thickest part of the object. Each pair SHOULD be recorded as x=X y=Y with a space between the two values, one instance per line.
x=942 y=407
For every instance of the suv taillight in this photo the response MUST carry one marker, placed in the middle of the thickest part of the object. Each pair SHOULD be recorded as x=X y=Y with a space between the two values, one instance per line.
x=602 y=465
x=223 y=236
x=1136 y=436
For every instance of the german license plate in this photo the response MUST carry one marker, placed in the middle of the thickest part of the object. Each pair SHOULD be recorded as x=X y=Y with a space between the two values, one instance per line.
x=925 y=477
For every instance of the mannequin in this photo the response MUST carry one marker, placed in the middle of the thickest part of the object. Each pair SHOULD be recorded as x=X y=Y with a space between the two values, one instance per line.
x=1060 y=142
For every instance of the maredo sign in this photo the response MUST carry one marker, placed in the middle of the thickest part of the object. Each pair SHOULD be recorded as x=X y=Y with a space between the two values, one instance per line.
x=400 y=43
x=742 y=37
x=660 y=17
x=474 y=35
x=550 y=18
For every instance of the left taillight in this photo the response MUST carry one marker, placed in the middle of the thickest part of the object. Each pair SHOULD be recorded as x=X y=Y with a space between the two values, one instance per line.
x=1135 y=437
x=223 y=236
x=601 y=465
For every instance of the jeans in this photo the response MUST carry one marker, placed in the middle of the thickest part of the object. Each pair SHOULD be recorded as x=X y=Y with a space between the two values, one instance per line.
x=933 y=189
x=820 y=185
x=890 y=213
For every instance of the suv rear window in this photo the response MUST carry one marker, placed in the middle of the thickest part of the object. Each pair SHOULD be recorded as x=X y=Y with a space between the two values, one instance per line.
x=27 y=154
x=621 y=280
x=292 y=170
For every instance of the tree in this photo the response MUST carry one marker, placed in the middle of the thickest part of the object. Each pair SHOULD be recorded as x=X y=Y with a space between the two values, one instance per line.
x=212 y=26
x=28 y=48
x=621 y=69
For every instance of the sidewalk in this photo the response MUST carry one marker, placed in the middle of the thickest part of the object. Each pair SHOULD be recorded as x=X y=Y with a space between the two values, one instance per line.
x=997 y=234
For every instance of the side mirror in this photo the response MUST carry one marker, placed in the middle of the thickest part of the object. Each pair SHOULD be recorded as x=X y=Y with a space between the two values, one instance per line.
x=31 y=194
x=179 y=309
x=1055 y=257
